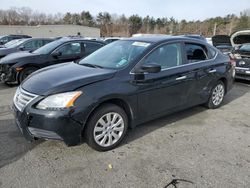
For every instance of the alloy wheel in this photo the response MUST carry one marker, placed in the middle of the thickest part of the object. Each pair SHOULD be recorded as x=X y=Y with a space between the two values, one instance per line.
x=218 y=94
x=109 y=129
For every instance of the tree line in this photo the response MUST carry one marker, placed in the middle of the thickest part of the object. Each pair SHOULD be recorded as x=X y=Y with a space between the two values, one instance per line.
x=121 y=25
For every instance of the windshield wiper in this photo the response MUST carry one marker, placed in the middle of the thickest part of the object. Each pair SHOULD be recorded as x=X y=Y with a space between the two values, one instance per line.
x=91 y=65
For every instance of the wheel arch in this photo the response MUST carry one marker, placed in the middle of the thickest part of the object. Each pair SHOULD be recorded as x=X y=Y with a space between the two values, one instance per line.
x=224 y=80
x=25 y=67
x=116 y=101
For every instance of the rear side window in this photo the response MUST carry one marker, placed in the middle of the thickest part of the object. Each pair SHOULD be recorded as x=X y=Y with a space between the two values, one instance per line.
x=34 y=44
x=46 y=42
x=196 y=53
x=90 y=47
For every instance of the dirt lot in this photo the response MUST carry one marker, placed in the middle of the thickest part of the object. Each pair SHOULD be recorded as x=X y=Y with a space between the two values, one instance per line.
x=207 y=148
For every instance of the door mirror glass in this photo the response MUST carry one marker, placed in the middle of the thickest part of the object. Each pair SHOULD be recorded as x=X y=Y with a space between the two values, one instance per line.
x=151 y=68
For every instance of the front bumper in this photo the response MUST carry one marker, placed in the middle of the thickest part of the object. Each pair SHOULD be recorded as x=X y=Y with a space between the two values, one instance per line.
x=8 y=75
x=58 y=125
x=242 y=73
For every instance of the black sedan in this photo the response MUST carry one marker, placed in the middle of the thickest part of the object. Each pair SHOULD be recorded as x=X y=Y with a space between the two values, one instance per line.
x=29 y=44
x=242 y=56
x=16 y=67
x=121 y=85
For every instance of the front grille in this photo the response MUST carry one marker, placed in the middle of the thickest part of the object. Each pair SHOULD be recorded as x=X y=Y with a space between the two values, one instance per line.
x=23 y=98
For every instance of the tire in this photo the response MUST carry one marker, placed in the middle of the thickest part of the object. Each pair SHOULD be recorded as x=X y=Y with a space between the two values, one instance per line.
x=216 y=96
x=25 y=73
x=99 y=134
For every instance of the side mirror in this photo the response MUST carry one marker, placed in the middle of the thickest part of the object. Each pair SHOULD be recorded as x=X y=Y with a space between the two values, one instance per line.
x=151 y=68
x=22 y=48
x=56 y=54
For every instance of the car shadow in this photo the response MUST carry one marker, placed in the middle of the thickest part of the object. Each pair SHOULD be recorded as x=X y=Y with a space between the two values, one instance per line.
x=12 y=144
x=7 y=86
x=240 y=88
x=169 y=120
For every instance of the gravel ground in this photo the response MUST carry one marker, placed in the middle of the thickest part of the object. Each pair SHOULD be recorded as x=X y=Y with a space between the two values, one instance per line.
x=201 y=147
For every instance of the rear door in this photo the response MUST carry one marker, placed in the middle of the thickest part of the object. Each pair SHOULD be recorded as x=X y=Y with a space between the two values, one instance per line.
x=166 y=91
x=200 y=61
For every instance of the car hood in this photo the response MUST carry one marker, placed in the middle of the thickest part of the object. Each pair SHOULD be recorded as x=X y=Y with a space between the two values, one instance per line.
x=18 y=56
x=219 y=40
x=64 y=77
x=240 y=37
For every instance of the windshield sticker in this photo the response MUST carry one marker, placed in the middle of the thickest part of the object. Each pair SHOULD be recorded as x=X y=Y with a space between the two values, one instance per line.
x=142 y=44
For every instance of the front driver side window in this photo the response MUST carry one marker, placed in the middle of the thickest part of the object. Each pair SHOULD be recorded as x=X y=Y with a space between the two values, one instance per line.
x=70 y=49
x=168 y=55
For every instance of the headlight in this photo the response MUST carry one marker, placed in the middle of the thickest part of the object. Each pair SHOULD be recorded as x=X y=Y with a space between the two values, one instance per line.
x=59 y=101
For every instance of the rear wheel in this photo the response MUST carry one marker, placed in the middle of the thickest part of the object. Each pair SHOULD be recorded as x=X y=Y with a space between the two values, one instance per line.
x=216 y=96
x=106 y=128
x=25 y=73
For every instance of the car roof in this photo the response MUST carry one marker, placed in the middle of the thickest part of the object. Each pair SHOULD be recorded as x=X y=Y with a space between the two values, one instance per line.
x=68 y=39
x=163 y=38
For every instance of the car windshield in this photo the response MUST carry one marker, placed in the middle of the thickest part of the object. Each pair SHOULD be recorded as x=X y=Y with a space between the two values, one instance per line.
x=12 y=42
x=115 y=55
x=245 y=48
x=48 y=48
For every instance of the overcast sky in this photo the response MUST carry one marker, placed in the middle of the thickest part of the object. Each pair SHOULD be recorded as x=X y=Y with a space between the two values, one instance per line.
x=179 y=9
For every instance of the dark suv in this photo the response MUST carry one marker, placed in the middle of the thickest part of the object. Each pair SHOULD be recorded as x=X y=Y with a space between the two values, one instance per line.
x=17 y=66
x=121 y=85
x=7 y=38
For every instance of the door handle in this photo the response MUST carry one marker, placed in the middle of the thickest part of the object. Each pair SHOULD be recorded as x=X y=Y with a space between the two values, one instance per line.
x=181 y=78
x=212 y=71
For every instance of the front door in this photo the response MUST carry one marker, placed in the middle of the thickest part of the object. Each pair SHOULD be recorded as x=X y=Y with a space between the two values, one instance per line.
x=68 y=52
x=166 y=91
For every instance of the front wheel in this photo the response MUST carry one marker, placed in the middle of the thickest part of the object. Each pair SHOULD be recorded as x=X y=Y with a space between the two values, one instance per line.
x=216 y=96
x=25 y=73
x=106 y=128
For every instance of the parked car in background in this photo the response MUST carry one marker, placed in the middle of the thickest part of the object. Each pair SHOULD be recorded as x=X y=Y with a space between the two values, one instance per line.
x=8 y=38
x=223 y=43
x=242 y=56
x=29 y=44
x=17 y=66
x=121 y=85
x=6 y=45
x=241 y=52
